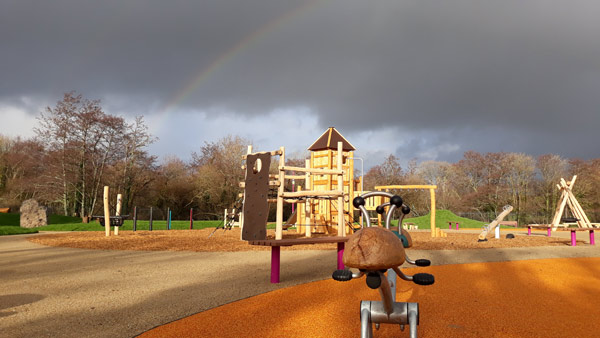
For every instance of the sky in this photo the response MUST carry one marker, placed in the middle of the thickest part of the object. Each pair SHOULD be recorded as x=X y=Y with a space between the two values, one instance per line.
x=424 y=80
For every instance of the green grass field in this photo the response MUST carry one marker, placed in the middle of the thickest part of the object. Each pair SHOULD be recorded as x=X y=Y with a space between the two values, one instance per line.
x=442 y=217
x=9 y=223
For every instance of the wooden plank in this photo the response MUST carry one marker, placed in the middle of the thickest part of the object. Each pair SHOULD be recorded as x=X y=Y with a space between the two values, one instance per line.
x=295 y=177
x=312 y=193
x=299 y=241
x=412 y=186
x=272 y=153
x=256 y=206
x=271 y=183
x=312 y=170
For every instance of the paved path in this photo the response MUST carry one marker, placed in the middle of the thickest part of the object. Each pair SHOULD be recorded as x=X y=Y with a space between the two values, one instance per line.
x=63 y=292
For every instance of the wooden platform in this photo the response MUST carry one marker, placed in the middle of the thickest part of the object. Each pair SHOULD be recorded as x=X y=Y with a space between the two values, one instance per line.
x=298 y=241
x=276 y=245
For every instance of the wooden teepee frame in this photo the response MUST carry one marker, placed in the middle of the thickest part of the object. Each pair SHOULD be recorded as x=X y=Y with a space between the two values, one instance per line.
x=568 y=199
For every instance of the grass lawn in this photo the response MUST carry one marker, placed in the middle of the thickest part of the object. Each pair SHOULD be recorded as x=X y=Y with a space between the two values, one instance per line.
x=9 y=225
x=442 y=217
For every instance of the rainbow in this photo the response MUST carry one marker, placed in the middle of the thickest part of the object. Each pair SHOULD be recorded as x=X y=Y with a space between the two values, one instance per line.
x=243 y=44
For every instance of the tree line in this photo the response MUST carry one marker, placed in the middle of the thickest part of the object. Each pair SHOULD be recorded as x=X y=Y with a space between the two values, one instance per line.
x=79 y=148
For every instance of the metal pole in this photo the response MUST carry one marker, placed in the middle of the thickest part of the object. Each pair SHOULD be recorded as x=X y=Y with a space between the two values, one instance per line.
x=150 y=224
x=170 y=219
x=362 y=173
x=134 y=218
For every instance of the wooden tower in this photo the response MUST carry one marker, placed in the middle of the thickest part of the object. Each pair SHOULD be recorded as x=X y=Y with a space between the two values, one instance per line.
x=322 y=212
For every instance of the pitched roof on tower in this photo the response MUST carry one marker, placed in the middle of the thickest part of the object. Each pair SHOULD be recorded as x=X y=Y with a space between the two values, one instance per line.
x=329 y=140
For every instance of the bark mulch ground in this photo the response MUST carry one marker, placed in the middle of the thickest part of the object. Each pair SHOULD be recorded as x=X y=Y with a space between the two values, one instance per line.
x=229 y=241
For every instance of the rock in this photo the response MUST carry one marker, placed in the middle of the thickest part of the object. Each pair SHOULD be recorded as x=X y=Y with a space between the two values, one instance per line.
x=374 y=249
x=33 y=215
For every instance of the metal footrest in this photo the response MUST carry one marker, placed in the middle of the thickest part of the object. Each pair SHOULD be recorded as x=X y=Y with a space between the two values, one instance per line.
x=373 y=312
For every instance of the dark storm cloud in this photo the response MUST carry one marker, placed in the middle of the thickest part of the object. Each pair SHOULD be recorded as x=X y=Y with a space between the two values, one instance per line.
x=487 y=75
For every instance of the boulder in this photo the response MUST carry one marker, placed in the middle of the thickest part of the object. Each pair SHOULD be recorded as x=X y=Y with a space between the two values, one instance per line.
x=33 y=215
x=374 y=249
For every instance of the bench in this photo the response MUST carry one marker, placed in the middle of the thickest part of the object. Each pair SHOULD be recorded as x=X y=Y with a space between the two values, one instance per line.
x=539 y=226
x=4 y=210
x=509 y=223
x=409 y=226
x=450 y=225
x=574 y=234
x=277 y=244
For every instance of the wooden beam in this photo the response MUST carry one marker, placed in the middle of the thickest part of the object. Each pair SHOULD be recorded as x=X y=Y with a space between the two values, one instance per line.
x=280 y=192
x=295 y=177
x=312 y=193
x=106 y=212
x=313 y=170
x=412 y=186
x=340 y=185
x=271 y=183
x=273 y=153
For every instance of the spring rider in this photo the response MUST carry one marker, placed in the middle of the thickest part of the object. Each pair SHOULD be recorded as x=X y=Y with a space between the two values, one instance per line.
x=375 y=251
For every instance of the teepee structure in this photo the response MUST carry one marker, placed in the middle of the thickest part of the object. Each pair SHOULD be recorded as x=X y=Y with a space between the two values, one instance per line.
x=568 y=199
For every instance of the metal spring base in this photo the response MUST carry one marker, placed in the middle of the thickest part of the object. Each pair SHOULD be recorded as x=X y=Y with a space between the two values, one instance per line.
x=374 y=312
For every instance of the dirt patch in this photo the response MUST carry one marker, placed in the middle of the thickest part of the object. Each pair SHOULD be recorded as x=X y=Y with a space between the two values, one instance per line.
x=229 y=241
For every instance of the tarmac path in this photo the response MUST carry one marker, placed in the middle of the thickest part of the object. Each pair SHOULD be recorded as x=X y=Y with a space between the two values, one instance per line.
x=64 y=292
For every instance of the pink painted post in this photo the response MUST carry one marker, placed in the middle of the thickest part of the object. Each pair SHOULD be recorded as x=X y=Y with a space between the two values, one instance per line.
x=549 y=232
x=456 y=225
x=340 y=256
x=275 y=260
x=528 y=231
x=573 y=238
x=449 y=225
x=592 y=239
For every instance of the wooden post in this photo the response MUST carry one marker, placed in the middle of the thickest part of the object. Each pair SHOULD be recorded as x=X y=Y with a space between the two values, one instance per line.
x=106 y=212
x=118 y=212
x=134 y=218
x=307 y=204
x=432 y=220
x=340 y=186
x=248 y=152
x=281 y=189
x=192 y=218
x=150 y=222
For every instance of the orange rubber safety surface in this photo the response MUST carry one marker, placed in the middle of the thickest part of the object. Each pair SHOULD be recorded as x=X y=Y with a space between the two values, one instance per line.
x=533 y=298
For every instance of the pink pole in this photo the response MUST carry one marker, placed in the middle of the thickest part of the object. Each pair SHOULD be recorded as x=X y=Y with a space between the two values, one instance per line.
x=528 y=231
x=592 y=240
x=449 y=225
x=456 y=225
x=340 y=256
x=275 y=266
x=549 y=232
x=573 y=238
x=191 y=219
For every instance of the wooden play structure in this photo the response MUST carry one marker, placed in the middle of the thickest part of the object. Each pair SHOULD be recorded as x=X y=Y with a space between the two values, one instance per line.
x=567 y=198
x=258 y=181
x=323 y=200
x=435 y=231
x=107 y=220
